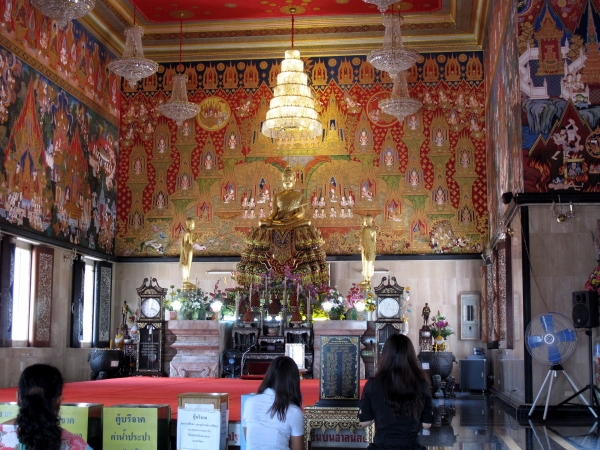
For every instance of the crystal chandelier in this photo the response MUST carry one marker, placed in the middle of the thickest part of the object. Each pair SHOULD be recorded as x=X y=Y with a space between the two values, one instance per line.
x=178 y=108
x=64 y=10
x=381 y=4
x=392 y=57
x=133 y=66
x=400 y=104
x=292 y=115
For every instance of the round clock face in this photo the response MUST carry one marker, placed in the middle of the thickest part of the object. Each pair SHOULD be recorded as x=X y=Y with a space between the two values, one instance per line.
x=150 y=307
x=388 y=307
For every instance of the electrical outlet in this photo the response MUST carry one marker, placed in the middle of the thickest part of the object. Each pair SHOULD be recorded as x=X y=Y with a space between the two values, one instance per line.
x=568 y=393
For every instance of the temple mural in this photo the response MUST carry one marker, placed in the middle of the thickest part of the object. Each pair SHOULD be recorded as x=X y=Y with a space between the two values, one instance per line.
x=505 y=166
x=59 y=165
x=71 y=57
x=559 y=65
x=423 y=179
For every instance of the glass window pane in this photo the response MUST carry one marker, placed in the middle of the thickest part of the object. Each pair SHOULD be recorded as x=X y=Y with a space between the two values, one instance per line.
x=21 y=296
x=88 y=303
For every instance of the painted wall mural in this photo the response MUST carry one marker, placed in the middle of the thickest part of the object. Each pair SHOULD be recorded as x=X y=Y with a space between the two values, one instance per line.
x=505 y=166
x=57 y=173
x=71 y=54
x=559 y=65
x=424 y=179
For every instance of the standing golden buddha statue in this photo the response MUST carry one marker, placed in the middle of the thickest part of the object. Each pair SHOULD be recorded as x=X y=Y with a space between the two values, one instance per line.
x=285 y=238
x=368 y=242
x=187 y=254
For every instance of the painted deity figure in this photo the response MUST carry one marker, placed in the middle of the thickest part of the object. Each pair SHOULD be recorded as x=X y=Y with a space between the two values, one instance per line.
x=413 y=178
x=363 y=138
x=137 y=166
x=208 y=161
x=439 y=138
x=232 y=141
x=464 y=159
x=388 y=159
x=413 y=122
x=440 y=197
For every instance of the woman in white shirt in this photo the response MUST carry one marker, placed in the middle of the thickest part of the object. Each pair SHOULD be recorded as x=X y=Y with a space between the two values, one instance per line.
x=272 y=420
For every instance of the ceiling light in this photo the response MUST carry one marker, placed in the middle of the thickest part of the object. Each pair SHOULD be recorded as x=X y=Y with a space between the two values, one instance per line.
x=400 y=104
x=292 y=115
x=178 y=108
x=392 y=57
x=381 y=4
x=64 y=10
x=133 y=66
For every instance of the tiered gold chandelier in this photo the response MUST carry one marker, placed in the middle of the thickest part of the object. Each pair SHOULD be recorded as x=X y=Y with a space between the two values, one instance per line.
x=178 y=108
x=292 y=115
x=381 y=4
x=133 y=66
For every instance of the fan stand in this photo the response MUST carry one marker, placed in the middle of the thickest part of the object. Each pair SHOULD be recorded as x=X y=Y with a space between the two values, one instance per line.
x=592 y=387
x=554 y=370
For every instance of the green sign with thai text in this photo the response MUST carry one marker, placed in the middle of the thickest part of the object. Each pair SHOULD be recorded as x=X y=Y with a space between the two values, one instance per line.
x=75 y=420
x=136 y=427
x=8 y=411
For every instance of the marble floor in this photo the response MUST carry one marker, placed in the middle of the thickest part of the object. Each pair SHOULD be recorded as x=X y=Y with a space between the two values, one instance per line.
x=477 y=422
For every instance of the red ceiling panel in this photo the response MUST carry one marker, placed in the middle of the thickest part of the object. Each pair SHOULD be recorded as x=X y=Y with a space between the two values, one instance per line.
x=160 y=11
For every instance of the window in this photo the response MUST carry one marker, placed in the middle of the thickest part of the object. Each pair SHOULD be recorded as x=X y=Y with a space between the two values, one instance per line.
x=88 y=304
x=27 y=275
x=21 y=295
x=90 y=307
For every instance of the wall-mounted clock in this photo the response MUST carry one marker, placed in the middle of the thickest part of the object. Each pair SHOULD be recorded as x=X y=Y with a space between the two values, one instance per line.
x=151 y=328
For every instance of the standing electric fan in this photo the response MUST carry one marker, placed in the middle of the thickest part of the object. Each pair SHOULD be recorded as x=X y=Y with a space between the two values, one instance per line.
x=231 y=363
x=551 y=340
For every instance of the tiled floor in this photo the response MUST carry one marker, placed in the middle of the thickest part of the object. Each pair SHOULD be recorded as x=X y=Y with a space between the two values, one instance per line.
x=475 y=422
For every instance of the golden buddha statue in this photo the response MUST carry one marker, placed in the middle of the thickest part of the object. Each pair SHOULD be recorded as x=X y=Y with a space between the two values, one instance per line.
x=368 y=242
x=284 y=239
x=187 y=254
x=288 y=206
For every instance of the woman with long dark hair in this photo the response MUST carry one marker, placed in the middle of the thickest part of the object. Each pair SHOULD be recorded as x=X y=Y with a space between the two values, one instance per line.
x=397 y=399
x=272 y=420
x=37 y=426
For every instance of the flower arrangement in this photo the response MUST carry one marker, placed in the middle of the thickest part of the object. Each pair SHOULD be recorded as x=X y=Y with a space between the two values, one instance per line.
x=194 y=304
x=370 y=303
x=440 y=327
x=354 y=296
x=593 y=282
x=332 y=302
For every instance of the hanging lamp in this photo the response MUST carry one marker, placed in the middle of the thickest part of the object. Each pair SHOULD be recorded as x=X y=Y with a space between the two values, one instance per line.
x=133 y=66
x=400 y=104
x=63 y=11
x=381 y=4
x=178 y=108
x=292 y=115
x=392 y=57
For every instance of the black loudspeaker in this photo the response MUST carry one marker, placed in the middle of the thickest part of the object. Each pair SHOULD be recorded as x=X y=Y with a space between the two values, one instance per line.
x=585 y=309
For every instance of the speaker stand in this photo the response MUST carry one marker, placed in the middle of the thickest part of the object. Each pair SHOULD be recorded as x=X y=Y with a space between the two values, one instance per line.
x=591 y=387
x=554 y=370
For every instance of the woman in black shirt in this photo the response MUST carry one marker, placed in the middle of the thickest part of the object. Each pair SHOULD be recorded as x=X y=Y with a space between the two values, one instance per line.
x=397 y=399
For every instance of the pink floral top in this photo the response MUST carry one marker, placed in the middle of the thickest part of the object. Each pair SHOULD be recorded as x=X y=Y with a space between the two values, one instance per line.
x=10 y=441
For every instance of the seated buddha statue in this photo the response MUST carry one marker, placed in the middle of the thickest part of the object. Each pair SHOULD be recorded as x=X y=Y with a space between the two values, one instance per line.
x=288 y=206
x=285 y=240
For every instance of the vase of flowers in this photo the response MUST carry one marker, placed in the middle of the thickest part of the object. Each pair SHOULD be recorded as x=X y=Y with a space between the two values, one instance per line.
x=332 y=302
x=440 y=330
x=194 y=304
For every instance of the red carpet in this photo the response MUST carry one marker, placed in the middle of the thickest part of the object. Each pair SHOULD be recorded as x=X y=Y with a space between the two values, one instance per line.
x=164 y=391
